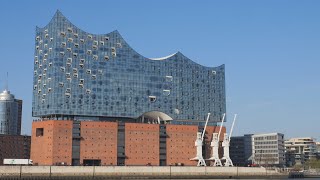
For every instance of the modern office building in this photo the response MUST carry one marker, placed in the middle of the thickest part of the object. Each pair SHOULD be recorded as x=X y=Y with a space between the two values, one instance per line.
x=84 y=76
x=10 y=114
x=300 y=150
x=241 y=150
x=268 y=149
x=258 y=150
x=14 y=147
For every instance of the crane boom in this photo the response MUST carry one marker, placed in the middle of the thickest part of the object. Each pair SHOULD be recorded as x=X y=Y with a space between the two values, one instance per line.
x=205 y=126
x=234 y=120
x=224 y=114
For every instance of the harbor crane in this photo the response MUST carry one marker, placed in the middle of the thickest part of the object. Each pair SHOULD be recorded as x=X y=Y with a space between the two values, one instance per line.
x=215 y=145
x=226 y=145
x=198 y=143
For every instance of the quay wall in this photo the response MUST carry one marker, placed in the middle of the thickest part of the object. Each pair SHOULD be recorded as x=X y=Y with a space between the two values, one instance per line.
x=150 y=172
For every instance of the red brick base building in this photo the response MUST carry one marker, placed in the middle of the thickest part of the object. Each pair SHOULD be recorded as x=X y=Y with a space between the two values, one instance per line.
x=67 y=142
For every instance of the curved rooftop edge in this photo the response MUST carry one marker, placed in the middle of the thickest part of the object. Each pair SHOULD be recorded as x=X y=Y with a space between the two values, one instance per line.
x=58 y=15
x=164 y=58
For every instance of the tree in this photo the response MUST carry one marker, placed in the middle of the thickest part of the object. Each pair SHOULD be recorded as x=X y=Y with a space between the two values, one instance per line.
x=313 y=164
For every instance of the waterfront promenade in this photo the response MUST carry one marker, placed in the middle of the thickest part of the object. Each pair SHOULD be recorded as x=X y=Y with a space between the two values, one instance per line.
x=136 y=172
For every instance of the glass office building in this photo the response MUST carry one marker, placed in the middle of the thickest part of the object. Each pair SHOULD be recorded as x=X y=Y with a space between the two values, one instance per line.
x=10 y=114
x=84 y=76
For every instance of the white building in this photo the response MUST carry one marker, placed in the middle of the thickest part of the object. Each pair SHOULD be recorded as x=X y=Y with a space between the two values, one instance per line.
x=318 y=147
x=301 y=149
x=268 y=149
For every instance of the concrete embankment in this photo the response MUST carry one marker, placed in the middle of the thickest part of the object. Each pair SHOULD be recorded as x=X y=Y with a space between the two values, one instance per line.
x=135 y=172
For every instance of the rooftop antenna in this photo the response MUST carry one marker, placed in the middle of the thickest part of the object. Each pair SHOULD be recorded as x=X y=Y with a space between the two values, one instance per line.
x=6 y=83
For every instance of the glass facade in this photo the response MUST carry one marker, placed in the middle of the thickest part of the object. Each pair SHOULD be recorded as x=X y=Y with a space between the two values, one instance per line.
x=10 y=114
x=79 y=75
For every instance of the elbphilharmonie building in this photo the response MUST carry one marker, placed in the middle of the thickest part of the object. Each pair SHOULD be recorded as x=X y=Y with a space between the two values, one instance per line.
x=84 y=76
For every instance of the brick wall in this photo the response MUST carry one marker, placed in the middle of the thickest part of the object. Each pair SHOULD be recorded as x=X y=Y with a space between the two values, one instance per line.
x=14 y=147
x=99 y=141
x=180 y=144
x=41 y=146
x=62 y=142
x=54 y=145
x=142 y=144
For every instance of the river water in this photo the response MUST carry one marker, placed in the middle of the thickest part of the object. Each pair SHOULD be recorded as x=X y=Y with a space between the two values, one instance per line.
x=105 y=178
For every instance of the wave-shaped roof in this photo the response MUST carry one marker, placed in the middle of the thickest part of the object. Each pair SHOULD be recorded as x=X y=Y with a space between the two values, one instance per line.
x=58 y=15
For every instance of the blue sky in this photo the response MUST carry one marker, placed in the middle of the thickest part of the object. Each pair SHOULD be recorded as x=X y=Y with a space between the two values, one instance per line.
x=271 y=50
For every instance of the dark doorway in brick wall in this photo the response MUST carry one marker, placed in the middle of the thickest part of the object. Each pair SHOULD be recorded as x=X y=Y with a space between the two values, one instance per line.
x=92 y=162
